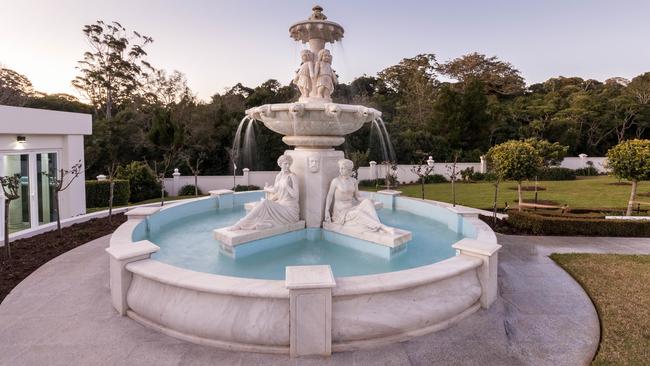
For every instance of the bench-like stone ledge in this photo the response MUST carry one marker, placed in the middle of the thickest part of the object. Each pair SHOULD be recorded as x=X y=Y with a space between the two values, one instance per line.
x=397 y=239
x=230 y=239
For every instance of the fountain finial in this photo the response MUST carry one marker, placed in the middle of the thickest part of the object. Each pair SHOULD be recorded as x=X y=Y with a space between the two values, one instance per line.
x=317 y=13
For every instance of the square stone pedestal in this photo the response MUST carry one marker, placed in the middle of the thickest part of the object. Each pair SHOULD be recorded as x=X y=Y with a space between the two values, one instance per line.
x=315 y=169
x=310 y=309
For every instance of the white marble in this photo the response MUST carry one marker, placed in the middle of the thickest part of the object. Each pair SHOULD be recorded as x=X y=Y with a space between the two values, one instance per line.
x=141 y=212
x=488 y=254
x=310 y=303
x=390 y=239
x=230 y=239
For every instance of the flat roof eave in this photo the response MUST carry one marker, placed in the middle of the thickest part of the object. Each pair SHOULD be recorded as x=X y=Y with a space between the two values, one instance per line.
x=32 y=121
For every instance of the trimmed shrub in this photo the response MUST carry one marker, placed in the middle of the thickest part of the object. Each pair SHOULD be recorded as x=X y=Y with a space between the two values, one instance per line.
x=435 y=178
x=586 y=171
x=97 y=193
x=188 y=190
x=556 y=173
x=241 y=188
x=483 y=177
x=558 y=225
x=371 y=183
x=142 y=181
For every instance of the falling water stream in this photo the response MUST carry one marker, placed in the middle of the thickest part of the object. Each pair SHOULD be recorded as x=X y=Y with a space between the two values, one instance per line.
x=243 y=147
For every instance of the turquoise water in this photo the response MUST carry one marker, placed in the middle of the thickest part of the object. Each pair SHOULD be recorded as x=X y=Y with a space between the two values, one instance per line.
x=188 y=243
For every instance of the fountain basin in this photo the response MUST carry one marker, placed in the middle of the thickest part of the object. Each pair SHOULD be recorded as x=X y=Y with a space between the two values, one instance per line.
x=254 y=314
x=313 y=123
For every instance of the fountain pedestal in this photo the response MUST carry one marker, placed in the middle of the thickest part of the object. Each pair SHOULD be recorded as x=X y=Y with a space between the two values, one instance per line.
x=315 y=169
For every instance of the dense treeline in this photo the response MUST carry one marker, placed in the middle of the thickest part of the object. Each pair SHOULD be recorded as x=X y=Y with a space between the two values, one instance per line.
x=460 y=108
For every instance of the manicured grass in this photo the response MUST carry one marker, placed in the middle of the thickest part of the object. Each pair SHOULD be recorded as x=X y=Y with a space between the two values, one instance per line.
x=153 y=200
x=619 y=286
x=585 y=192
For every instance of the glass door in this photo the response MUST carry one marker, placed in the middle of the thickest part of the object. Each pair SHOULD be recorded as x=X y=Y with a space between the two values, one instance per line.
x=45 y=164
x=19 y=209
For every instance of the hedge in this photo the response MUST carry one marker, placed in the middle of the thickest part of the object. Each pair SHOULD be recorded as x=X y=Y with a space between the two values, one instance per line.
x=571 y=226
x=434 y=178
x=188 y=190
x=244 y=188
x=556 y=173
x=97 y=193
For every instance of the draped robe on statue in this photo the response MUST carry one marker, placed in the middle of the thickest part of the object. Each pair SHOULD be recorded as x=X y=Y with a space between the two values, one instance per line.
x=280 y=208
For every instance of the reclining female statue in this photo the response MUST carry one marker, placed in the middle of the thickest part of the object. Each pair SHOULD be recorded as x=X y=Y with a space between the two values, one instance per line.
x=281 y=205
x=350 y=209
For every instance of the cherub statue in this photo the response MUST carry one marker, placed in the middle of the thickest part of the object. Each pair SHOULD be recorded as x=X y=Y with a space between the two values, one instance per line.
x=326 y=78
x=305 y=74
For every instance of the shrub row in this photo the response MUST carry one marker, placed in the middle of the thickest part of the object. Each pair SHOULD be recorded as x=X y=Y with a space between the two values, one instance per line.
x=188 y=190
x=557 y=225
x=97 y=193
x=556 y=173
x=587 y=171
x=241 y=188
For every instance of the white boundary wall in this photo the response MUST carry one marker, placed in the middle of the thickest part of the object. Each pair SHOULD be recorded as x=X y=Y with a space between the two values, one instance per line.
x=404 y=174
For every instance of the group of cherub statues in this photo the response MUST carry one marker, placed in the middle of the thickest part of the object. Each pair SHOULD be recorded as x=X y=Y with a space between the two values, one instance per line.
x=316 y=78
x=344 y=205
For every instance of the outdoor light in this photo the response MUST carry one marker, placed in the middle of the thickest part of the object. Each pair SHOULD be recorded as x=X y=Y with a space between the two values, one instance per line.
x=21 y=139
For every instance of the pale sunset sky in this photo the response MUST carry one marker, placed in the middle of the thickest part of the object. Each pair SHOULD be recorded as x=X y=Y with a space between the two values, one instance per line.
x=219 y=43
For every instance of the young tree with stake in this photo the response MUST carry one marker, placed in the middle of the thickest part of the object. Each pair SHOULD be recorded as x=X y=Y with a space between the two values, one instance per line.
x=60 y=181
x=514 y=160
x=11 y=190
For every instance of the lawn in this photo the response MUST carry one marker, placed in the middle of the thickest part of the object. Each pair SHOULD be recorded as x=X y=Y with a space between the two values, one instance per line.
x=585 y=192
x=619 y=286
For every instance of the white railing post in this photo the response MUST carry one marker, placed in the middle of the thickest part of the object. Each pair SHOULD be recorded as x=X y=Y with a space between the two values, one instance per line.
x=247 y=180
x=176 y=182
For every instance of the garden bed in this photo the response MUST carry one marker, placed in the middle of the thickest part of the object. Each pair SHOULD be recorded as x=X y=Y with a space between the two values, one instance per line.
x=30 y=253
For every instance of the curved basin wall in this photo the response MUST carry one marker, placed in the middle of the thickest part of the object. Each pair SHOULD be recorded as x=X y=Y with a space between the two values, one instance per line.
x=256 y=315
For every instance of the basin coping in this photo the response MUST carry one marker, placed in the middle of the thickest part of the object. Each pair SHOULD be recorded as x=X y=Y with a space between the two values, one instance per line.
x=130 y=250
x=304 y=277
x=475 y=246
x=220 y=192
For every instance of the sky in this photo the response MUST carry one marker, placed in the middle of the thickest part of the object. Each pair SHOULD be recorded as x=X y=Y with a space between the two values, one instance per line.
x=218 y=43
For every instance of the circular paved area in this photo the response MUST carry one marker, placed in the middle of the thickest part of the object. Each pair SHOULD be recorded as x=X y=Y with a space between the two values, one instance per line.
x=61 y=315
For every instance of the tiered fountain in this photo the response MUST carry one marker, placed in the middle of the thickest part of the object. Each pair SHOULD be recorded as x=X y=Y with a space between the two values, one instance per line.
x=309 y=265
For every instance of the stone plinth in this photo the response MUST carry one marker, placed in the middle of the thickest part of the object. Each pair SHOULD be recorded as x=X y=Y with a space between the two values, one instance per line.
x=487 y=274
x=224 y=197
x=315 y=169
x=230 y=239
x=141 y=213
x=310 y=309
x=394 y=240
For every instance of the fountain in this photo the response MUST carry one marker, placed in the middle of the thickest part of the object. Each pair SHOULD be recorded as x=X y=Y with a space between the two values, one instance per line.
x=309 y=265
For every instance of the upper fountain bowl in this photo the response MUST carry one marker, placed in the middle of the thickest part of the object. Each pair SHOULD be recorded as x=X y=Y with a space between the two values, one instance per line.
x=313 y=124
x=316 y=27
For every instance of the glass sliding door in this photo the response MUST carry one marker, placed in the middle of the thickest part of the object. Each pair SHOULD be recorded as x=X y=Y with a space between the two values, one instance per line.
x=45 y=163
x=19 y=209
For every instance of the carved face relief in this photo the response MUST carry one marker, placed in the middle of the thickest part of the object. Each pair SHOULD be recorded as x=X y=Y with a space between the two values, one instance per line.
x=313 y=163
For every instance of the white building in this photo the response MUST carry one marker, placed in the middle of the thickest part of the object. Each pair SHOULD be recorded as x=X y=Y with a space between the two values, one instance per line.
x=33 y=141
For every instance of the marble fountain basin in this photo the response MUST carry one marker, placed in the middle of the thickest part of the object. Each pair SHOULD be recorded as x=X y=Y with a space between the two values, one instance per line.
x=258 y=314
x=313 y=123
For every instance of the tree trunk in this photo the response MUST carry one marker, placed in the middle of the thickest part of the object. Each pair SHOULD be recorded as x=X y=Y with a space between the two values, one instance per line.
x=7 y=247
x=494 y=204
x=196 y=185
x=422 y=186
x=58 y=213
x=111 y=191
x=162 y=195
x=453 y=192
x=519 y=195
x=630 y=203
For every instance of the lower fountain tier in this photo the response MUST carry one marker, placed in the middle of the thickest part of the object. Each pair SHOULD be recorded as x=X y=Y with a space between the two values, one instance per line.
x=313 y=141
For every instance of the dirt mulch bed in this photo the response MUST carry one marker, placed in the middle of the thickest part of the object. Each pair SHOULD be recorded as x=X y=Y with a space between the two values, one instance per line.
x=528 y=188
x=644 y=194
x=619 y=184
x=543 y=202
x=28 y=254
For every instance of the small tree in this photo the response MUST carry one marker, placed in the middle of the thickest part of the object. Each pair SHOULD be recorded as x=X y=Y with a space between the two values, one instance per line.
x=112 y=170
x=11 y=191
x=422 y=170
x=453 y=175
x=60 y=181
x=514 y=160
x=551 y=153
x=195 y=167
x=630 y=160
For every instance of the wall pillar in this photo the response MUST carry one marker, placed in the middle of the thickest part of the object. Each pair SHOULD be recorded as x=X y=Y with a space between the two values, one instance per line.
x=373 y=170
x=247 y=180
x=176 y=182
x=487 y=273
x=310 y=310
x=483 y=168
